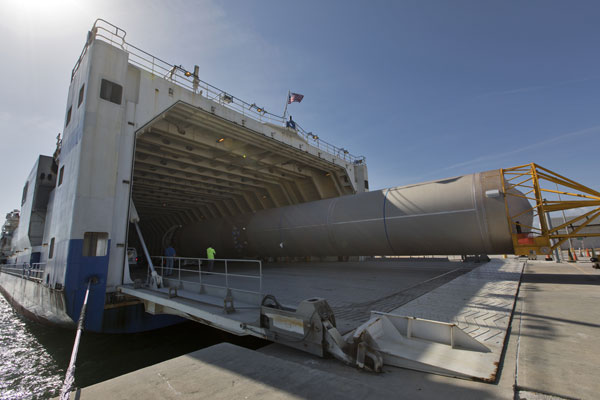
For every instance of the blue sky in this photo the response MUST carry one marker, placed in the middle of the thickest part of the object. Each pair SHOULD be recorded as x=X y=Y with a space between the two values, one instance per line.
x=423 y=89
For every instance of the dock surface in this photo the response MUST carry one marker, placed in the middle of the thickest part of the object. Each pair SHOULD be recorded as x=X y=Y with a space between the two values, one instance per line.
x=559 y=330
x=551 y=351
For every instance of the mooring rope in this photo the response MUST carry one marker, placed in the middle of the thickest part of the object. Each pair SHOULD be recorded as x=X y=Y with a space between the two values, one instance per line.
x=70 y=376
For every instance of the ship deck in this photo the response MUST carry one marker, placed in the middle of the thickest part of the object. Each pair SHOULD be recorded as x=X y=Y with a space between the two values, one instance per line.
x=352 y=289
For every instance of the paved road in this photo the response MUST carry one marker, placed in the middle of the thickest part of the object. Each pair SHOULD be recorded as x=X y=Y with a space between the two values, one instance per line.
x=560 y=330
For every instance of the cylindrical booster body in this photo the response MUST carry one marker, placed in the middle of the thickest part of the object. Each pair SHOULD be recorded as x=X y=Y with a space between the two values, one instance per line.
x=461 y=215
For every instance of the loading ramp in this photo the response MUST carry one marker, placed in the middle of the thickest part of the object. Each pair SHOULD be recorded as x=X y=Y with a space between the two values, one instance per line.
x=440 y=302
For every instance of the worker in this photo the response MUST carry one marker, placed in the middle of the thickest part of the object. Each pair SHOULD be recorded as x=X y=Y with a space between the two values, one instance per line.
x=210 y=254
x=169 y=253
x=291 y=123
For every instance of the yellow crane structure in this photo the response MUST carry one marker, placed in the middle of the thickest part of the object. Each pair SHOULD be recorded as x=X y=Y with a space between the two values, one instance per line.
x=532 y=182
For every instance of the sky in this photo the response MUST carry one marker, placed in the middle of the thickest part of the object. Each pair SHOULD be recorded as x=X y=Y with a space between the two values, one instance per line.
x=423 y=89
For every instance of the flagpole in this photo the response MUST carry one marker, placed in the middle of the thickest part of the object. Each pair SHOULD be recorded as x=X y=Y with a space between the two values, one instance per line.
x=287 y=101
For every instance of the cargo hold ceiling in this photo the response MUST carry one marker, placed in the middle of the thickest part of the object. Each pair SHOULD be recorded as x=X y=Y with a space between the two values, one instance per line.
x=191 y=165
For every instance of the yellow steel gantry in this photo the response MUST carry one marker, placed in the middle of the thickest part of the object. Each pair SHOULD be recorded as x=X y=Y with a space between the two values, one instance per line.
x=530 y=181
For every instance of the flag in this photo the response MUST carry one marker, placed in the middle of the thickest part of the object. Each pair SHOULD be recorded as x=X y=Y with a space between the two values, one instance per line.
x=295 y=97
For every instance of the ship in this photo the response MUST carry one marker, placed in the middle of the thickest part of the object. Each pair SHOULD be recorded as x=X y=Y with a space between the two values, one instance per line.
x=127 y=111
x=152 y=156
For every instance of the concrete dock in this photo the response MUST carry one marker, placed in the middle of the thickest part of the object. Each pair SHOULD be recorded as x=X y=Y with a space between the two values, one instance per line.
x=551 y=353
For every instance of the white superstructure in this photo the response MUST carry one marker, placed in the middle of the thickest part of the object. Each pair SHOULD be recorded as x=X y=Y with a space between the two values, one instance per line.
x=138 y=128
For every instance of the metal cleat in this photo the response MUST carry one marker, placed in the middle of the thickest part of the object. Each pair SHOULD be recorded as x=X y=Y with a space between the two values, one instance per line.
x=367 y=358
x=228 y=303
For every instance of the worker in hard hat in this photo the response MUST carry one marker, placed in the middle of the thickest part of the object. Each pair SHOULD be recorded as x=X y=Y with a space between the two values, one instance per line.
x=210 y=254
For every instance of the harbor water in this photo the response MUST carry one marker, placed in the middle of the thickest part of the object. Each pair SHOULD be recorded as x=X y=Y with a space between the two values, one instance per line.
x=34 y=357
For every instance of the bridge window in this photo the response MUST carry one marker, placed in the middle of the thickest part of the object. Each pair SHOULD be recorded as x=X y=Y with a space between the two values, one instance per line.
x=95 y=244
x=51 y=249
x=24 y=193
x=68 y=116
x=60 y=175
x=111 y=91
x=81 y=91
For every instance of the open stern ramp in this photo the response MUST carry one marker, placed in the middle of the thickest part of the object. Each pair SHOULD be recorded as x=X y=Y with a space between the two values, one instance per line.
x=457 y=329
x=222 y=293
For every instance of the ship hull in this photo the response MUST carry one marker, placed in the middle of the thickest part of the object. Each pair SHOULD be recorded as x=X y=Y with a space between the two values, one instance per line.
x=47 y=306
x=35 y=301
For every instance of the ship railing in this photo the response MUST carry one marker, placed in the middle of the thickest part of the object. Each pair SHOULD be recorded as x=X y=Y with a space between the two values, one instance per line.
x=314 y=141
x=239 y=275
x=32 y=271
x=180 y=76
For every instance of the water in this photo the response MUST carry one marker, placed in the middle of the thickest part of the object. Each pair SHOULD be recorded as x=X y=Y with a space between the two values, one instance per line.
x=27 y=369
x=34 y=357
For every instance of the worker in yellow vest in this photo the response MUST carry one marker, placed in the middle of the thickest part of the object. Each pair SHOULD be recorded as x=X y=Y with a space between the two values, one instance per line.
x=210 y=254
